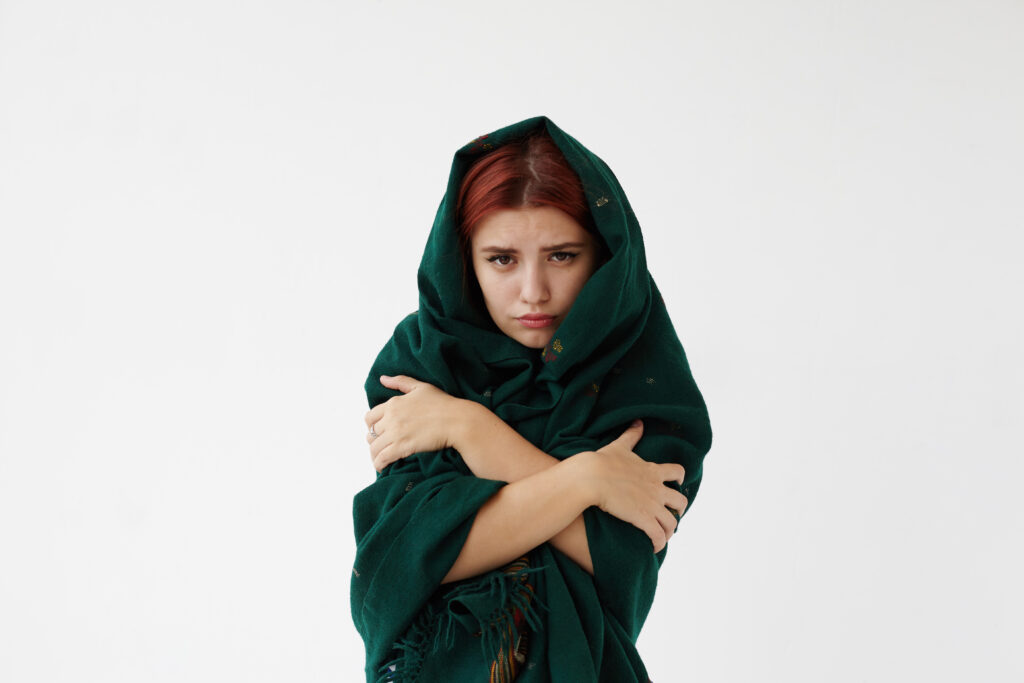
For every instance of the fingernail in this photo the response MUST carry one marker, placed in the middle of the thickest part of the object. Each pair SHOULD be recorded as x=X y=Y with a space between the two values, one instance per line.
x=637 y=423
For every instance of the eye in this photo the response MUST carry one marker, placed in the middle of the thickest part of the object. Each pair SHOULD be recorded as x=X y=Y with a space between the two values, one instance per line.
x=494 y=259
x=567 y=256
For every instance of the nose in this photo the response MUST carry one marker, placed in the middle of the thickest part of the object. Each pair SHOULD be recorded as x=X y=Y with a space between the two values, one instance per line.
x=534 y=288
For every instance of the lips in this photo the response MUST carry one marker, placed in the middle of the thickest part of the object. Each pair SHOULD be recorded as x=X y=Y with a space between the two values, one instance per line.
x=536 y=320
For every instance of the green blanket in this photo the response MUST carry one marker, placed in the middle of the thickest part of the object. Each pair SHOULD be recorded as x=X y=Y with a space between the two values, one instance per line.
x=614 y=358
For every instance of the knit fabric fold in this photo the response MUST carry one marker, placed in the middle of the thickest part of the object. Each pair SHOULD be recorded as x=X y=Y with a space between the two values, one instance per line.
x=615 y=357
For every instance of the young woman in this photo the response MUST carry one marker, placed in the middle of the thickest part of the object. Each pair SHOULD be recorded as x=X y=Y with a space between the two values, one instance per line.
x=536 y=430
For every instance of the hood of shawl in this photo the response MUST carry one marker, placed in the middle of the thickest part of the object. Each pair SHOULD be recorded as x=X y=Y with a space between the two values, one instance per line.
x=611 y=309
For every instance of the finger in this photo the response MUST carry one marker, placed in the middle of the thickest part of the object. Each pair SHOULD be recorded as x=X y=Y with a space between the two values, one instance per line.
x=374 y=416
x=391 y=451
x=667 y=521
x=660 y=539
x=383 y=459
x=655 y=532
x=377 y=428
x=676 y=501
x=670 y=471
x=403 y=383
x=379 y=444
x=631 y=436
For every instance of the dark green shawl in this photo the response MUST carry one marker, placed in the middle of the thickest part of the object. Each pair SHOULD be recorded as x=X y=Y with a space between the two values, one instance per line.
x=614 y=358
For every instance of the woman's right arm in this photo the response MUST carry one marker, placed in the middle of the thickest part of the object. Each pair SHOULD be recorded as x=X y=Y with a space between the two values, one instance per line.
x=525 y=513
x=521 y=516
x=494 y=450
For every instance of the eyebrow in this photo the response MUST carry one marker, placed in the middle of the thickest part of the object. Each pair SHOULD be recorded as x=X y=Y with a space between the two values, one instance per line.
x=553 y=247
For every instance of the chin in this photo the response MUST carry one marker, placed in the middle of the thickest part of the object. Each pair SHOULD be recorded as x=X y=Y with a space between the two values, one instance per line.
x=537 y=340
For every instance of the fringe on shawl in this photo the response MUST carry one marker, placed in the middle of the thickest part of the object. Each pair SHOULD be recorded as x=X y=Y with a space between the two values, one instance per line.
x=435 y=628
x=410 y=650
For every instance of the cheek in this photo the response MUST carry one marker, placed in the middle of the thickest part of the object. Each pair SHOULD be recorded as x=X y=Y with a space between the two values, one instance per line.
x=491 y=287
x=574 y=284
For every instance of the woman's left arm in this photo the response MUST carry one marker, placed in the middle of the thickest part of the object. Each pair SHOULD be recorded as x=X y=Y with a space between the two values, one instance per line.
x=426 y=418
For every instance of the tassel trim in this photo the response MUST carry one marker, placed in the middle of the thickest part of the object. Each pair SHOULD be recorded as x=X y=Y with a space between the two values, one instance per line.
x=502 y=634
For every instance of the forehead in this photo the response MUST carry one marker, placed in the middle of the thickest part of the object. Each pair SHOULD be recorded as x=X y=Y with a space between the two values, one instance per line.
x=528 y=227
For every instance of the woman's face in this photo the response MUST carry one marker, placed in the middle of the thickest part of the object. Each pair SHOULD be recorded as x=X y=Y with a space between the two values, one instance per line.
x=531 y=264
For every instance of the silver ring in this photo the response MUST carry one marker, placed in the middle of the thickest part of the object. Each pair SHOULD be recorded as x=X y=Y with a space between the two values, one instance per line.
x=373 y=433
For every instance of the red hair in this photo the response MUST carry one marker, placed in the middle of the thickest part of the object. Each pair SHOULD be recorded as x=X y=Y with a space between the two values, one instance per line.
x=523 y=173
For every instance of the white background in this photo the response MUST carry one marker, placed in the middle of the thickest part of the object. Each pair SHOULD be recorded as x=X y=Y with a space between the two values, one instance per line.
x=211 y=215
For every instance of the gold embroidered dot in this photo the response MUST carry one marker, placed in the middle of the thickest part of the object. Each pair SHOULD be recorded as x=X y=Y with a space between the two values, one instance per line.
x=557 y=346
x=601 y=201
x=487 y=393
x=595 y=388
x=650 y=380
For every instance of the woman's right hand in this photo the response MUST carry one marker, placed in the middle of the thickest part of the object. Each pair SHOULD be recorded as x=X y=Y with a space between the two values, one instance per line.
x=631 y=488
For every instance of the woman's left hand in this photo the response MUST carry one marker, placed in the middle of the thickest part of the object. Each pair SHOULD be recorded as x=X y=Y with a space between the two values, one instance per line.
x=419 y=420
